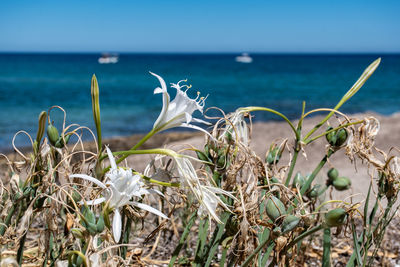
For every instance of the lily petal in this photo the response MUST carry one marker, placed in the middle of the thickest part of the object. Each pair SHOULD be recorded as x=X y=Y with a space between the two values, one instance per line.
x=89 y=178
x=111 y=158
x=221 y=191
x=94 y=201
x=166 y=99
x=149 y=209
x=117 y=225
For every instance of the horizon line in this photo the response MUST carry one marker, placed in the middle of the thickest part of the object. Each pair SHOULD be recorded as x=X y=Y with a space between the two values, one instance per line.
x=208 y=52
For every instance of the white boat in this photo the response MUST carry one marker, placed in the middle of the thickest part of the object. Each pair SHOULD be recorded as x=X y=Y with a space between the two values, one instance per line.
x=108 y=59
x=244 y=58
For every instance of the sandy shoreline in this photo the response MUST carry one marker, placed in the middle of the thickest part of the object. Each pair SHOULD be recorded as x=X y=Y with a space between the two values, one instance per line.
x=263 y=134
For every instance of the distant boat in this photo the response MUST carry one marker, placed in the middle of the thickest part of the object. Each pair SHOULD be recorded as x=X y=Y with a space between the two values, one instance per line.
x=244 y=58
x=108 y=59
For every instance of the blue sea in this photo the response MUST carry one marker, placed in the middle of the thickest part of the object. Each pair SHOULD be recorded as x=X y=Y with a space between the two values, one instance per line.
x=30 y=83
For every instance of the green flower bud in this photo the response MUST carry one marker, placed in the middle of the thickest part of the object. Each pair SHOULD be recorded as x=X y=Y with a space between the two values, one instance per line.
x=275 y=208
x=335 y=217
x=298 y=180
x=341 y=183
x=333 y=174
x=41 y=128
x=52 y=134
x=289 y=223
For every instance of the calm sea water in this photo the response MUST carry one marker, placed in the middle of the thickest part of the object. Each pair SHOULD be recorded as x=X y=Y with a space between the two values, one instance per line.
x=30 y=83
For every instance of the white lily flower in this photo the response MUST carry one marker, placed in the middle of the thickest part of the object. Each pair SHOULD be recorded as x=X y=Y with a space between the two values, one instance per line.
x=120 y=186
x=177 y=113
x=205 y=195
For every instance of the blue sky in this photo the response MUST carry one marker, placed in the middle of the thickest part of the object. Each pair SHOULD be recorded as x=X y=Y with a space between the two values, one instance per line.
x=200 y=26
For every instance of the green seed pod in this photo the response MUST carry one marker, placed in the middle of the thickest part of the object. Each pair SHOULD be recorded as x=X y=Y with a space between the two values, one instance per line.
x=341 y=137
x=52 y=134
x=289 y=223
x=336 y=138
x=341 y=183
x=298 y=180
x=335 y=217
x=331 y=137
x=333 y=174
x=100 y=224
x=314 y=192
x=275 y=208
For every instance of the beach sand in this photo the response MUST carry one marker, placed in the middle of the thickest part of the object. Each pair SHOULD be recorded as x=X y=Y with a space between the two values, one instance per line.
x=263 y=134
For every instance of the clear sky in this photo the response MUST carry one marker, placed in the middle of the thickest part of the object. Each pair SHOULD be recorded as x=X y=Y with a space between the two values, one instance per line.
x=200 y=26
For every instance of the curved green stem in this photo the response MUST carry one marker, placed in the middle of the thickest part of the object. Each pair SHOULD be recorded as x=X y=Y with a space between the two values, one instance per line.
x=250 y=109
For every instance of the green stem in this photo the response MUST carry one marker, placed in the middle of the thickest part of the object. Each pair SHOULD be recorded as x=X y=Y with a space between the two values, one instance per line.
x=292 y=165
x=326 y=256
x=8 y=220
x=20 y=253
x=141 y=142
x=296 y=146
x=310 y=179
